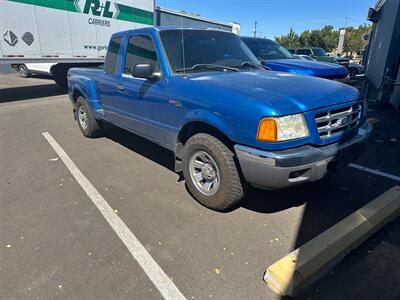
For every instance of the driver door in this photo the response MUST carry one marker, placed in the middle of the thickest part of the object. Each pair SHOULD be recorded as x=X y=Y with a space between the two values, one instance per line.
x=143 y=100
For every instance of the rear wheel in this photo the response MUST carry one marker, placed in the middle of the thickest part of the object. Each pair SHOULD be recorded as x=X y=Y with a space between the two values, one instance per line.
x=23 y=71
x=211 y=174
x=89 y=126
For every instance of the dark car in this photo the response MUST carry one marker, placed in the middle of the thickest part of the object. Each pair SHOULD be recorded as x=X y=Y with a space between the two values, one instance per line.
x=320 y=54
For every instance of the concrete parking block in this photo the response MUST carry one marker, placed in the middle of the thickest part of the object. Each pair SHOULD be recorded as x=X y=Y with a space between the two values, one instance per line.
x=303 y=266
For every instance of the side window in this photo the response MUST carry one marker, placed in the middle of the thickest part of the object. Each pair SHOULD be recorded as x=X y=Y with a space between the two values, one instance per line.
x=110 y=66
x=140 y=50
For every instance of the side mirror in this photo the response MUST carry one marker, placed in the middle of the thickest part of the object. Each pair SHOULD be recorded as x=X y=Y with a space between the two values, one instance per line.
x=144 y=71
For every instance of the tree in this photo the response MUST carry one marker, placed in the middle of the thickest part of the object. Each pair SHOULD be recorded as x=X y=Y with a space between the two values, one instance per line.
x=327 y=38
x=330 y=38
x=305 y=38
x=353 y=41
x=291 y=40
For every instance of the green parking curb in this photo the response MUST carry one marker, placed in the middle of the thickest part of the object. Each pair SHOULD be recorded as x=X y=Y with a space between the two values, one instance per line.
x=303 y=266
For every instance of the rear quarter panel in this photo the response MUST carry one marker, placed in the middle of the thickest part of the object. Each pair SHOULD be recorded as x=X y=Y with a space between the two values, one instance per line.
x=81 y=81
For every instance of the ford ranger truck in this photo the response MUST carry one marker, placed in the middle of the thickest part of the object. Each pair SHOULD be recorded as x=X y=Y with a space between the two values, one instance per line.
x=203 y=95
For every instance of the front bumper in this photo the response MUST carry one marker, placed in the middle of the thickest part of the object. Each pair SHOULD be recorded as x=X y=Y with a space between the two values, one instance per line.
x=280 y=169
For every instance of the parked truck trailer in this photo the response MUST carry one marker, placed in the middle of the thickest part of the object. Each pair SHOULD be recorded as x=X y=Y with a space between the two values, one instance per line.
x=69 y=33
x=169 y=17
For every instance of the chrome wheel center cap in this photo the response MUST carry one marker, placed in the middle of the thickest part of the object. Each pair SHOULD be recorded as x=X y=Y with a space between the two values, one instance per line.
x=208 y=172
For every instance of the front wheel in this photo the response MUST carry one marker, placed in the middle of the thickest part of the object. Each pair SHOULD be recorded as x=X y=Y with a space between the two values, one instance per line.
x=211 y=174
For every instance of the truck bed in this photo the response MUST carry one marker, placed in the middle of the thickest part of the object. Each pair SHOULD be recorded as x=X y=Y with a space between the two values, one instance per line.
x=89 y=72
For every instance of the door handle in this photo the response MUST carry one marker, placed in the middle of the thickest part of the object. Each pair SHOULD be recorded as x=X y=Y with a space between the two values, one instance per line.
x=120 y=87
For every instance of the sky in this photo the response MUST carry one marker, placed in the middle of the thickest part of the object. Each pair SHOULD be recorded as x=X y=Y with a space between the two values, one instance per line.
x=276 y=17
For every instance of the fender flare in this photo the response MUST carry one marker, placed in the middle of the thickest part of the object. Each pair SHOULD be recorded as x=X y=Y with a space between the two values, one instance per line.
x=87 y=88
x=211 y=120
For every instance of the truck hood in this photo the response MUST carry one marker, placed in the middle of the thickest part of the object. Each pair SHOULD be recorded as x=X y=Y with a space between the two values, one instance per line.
x=303 y=67
x=281 y=93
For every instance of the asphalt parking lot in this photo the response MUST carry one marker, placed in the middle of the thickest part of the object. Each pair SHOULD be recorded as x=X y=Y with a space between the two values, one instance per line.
x=55 y=243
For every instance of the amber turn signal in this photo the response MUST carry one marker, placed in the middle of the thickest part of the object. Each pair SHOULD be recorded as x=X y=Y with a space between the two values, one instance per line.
x=267 y=130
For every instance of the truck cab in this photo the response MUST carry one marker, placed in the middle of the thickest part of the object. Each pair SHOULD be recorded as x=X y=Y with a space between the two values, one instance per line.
x=230 y=122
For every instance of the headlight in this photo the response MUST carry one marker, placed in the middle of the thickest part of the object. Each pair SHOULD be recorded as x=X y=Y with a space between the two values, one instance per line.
x=282 y=128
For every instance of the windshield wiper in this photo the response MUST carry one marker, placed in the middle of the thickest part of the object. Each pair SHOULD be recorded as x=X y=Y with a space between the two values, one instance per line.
x=247 y=64
x=208 y=66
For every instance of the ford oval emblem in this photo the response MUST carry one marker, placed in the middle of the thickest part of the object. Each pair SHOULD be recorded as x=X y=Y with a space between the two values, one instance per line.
x=341 y=122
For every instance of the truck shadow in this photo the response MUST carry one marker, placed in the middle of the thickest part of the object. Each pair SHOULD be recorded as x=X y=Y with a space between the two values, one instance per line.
x=372 y=270
x=140 y=146
x=325 y=202
x=30 y=92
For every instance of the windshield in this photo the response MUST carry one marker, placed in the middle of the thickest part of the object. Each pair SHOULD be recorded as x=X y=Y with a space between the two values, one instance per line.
x=267 y=49
x=205 y=47
x=319 y=52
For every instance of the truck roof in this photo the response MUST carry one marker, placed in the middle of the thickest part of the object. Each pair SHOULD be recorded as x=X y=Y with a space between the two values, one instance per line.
x=152 y=29
x=255 y=38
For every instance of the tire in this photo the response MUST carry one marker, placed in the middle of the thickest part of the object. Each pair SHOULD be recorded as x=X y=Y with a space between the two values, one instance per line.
x=89 y=126
x=59 y=74
x=227 y=190
x=23 y=71
x=353 y=72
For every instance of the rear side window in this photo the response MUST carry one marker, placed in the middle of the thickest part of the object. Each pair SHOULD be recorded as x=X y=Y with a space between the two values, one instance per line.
x=110 y=66
x=140 y=50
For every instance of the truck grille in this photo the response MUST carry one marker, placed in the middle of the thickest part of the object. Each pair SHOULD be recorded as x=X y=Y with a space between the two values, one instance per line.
x=337 y=121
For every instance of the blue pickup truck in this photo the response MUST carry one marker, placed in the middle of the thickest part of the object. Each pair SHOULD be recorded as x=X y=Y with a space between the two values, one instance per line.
x=229 y=121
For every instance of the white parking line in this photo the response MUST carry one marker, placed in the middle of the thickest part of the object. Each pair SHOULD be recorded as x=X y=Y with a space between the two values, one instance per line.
x=376 y=172
x=161 y=281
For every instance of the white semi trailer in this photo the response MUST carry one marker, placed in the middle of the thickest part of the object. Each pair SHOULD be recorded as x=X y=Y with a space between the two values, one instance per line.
x=169 y=17
x=68 y=33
